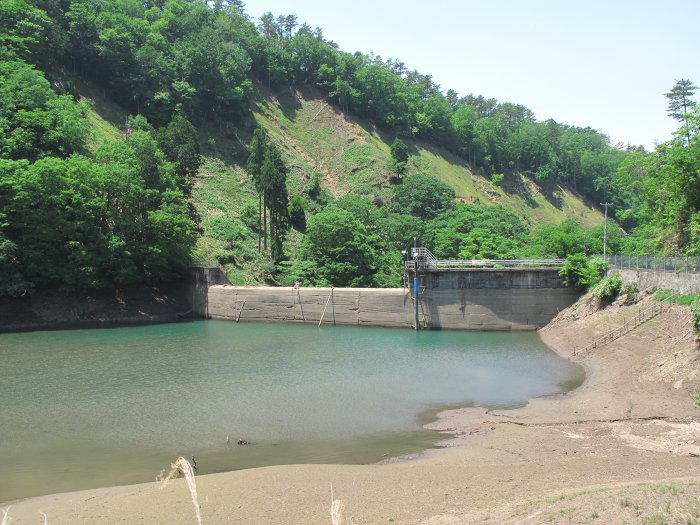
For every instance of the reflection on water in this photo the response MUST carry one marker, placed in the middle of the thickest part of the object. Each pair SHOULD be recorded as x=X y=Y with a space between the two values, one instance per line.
x=88 y=408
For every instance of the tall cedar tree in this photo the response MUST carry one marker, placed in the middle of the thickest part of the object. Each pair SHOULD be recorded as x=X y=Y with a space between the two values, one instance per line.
x=274 y=182
x=257 y=149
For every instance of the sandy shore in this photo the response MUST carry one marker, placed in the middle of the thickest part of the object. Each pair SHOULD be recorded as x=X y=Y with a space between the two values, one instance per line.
x=621 y=448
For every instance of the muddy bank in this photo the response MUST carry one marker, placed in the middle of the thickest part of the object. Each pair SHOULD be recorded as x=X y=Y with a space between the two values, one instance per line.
x=50 y=310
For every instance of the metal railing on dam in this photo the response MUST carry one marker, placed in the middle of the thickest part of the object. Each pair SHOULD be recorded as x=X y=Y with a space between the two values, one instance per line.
x=425 y=260
x=654 y=263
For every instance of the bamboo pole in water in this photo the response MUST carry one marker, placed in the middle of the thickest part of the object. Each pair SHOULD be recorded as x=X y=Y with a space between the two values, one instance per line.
x=324 y=309
x=301 y=307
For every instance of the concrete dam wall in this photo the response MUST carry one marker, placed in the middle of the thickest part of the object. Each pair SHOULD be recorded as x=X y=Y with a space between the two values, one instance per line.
x=345 y=306
x=483 y=299
x=494 y=299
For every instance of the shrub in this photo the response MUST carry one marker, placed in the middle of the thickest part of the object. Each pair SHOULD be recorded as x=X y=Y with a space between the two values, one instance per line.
x=629 y=289
x=575 y=270
x=695 y=309
x=297 y=216
x=579 y=271
x=608 y=287
x=227 y=229
x=597 y=269
x=497 y=179
x=317 y=192
x=250 y=216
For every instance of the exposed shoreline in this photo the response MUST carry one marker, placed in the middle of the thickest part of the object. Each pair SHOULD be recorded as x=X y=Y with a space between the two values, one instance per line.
x=131 y=306
x=632 y=421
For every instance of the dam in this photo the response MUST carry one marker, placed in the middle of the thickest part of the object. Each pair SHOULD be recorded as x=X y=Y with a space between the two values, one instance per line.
x=455 y=295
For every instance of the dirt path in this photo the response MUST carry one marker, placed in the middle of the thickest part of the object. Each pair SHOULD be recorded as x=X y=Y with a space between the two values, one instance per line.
x=622 y=448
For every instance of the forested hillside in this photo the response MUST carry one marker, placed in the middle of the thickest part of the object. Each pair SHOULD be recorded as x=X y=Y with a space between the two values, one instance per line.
x=137 y=137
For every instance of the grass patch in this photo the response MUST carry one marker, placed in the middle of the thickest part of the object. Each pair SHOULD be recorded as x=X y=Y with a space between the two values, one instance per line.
x=359 y=155
x=101 y=131
x=671 y=296
x=654 y=503
x=665 y=488
x=655 y=519
x=690 y=300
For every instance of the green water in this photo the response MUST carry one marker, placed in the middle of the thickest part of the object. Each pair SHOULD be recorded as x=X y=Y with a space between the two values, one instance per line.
x=88 y=408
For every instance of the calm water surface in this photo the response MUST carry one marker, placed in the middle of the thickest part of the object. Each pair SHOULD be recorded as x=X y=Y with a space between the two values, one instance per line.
x=88 y=408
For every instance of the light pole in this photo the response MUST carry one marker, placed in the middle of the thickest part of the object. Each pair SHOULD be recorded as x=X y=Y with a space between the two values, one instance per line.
x=605 y=227
x=416 y=288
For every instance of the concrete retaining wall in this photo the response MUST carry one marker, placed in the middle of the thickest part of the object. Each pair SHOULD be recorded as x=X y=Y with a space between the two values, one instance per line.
x=683 y=283
x=466 y=300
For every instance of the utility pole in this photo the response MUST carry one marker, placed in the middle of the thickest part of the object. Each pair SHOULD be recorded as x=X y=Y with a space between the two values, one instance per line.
x=416 y=288
x=605 y=227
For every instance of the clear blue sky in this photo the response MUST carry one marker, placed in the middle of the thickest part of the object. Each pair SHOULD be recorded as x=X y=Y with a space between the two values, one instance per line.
x=597 y=63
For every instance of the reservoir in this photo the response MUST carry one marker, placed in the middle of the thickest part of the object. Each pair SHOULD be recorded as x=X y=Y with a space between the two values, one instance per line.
x=89 y=408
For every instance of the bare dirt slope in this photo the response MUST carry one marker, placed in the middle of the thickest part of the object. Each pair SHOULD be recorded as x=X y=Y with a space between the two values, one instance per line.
x=623 y=448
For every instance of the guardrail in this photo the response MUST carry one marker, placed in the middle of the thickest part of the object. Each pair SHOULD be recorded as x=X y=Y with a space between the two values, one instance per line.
x=654 y=263
x=437 y=264
x=427 y=261
x=423 y=254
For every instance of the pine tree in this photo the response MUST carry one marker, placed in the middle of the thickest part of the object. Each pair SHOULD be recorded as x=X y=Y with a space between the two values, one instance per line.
x=679 y=101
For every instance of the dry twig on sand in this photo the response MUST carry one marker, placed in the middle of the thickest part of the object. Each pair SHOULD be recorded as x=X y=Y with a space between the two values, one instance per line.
x=183 y=466
x=337 y=508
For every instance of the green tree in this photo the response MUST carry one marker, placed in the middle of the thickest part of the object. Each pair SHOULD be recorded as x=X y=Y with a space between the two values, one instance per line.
x=470 y=230
x=297 y=215
x=433 y=121
x=463 y=120
x=23 y=28
x=665 y=186
x=274 y=183
x=338 y=245
x=256 y=156
x=399 y=157
x=679 y=101
x=560 y=241
x=422 y=196
x=180 y=143
x=579 y=271
x=481 y=243
x=34 y=121
x=11 y=279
